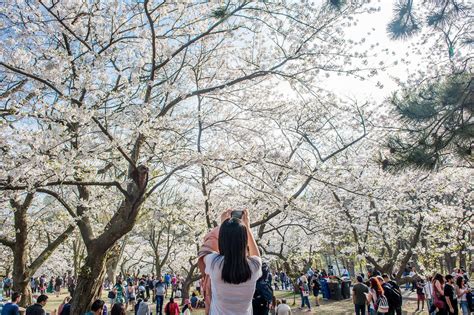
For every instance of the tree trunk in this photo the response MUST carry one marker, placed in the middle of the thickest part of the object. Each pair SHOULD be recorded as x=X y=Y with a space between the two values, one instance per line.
x=78 y=250
x=450 y=262
x=113 y=260
x=190 y=278
x=20 y=250
x=350 y=265
x=89 y=283
x=21 y=281
x=287 y=268
x=21 y=274
x=441 y=265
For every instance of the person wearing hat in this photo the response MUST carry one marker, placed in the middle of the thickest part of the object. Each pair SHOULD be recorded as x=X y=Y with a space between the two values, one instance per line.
x=187 y=308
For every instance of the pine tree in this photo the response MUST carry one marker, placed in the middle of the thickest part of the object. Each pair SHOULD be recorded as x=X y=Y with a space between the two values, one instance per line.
x=437 y=124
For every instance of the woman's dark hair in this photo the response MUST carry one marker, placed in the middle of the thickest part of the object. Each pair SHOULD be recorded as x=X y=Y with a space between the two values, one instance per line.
x=118 y=309
x=439 y=277
x=265 y=272
x=97 y=305
x=233 y=252
x=459 y=281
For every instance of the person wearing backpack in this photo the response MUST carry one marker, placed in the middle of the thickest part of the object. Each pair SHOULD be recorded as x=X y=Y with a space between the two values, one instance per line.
x=263 y=294
x=378 y=300
x=393 y=294
x=316 y=286
x=7 y=286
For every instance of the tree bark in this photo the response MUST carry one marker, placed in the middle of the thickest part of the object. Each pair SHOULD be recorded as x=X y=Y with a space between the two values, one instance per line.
x=20 y=250
x=114 y=259
x=21 y=270
x=89 y=282
x=190 y=278
x=91 y=276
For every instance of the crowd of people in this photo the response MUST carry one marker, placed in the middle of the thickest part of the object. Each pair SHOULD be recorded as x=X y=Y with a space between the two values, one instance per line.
x=448 y=295
x=236 y=281
x=134 y=290
x=373 y=294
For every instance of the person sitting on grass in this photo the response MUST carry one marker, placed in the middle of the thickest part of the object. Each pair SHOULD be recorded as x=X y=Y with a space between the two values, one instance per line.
x=194 y=300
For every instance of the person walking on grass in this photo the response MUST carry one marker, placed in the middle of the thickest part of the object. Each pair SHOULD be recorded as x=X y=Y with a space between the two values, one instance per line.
x=304 y=288
x=359 y=296
x=160 y=292
x=316 y=286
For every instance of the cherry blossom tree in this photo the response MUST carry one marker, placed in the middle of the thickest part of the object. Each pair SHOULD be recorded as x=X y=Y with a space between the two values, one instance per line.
x=25 y=237
x=97 y=97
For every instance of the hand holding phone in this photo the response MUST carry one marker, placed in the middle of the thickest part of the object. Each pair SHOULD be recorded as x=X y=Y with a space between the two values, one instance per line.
x=237 y=214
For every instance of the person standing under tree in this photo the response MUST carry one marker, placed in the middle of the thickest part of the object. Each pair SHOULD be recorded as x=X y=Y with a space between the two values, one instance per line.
x=359 y=296
x=12 y=308
x=450 y=295
x=38 y=307
x=7 y=286
x=172 y=308
x=316 y=286
x=420 y=295
x=235 y=269
x=263 y=295
x=462 y=290
x=160 y=292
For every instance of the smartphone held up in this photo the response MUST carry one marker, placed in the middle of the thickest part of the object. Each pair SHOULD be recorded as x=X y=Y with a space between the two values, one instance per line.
x=237 y=214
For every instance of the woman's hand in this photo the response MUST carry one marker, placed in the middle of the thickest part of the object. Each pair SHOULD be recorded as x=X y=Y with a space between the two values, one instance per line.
x=225 y=215
x=245 y=218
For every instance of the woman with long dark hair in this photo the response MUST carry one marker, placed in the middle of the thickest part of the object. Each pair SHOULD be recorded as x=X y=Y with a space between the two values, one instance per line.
x=438 y=294
x=234 y=270
x=118 y=309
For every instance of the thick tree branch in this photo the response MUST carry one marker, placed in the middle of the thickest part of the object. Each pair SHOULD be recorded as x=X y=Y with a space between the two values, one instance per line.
x=46 y=253
x=7 y=242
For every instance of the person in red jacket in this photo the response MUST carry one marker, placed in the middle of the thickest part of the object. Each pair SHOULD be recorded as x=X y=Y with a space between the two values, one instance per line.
x=172 y=308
